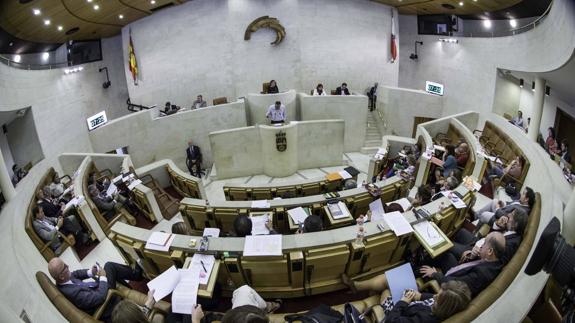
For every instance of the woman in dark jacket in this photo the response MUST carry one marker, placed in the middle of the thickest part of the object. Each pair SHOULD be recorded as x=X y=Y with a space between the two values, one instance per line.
x=273 y=88
x=415 y=307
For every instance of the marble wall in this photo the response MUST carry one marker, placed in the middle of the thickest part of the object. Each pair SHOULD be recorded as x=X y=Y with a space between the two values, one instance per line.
x=198 y=47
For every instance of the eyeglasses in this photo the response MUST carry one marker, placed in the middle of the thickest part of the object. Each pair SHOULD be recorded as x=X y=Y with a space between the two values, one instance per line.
x=63 y=270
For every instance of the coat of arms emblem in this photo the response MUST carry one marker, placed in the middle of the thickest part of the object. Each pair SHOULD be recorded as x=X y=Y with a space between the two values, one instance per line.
x=281 y=141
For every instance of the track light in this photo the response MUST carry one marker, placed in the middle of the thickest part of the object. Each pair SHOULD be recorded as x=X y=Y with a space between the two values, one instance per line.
x=414 y=56
x=521 y=83
x=547 y=90
x=107 y=83
x=449 y=40
x=533 y=86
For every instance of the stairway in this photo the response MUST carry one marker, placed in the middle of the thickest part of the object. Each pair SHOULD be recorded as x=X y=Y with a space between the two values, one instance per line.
x=372 y=136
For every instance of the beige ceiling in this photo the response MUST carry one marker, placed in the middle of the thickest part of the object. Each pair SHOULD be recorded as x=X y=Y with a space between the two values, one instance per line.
x=19 y=20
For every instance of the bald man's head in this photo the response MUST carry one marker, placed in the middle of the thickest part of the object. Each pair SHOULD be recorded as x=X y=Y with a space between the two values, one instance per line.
x=58 y=270
x=494 y=247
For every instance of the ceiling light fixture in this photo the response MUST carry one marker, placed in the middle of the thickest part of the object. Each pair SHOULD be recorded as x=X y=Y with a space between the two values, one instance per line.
x=449 y=40
x=533 y=86
x=513 y=23
x=521 y=83
x=153 y=1
x=89 y=0
x=121 y=16
x=36 y=12
x=45 y=56
x=487 y=23
x=60 y=28
x=96 y=7
x=461 y=3
x=73 y=70
x=17 y=58
x=47 y=22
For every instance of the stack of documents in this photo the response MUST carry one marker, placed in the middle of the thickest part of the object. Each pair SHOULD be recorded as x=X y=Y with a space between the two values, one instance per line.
x=397 y=222
x=204 y=263
x=259 y=224
x=454 y=199
x=134 y=184
x=298 y=215
x=184 y=285
x=338 y=210
x=260 y=204
x=112 y=189
x=211 y=232
x=428 y=233
x=266 y=245
x=344 y=174
x=160 y=241
x=377 y=211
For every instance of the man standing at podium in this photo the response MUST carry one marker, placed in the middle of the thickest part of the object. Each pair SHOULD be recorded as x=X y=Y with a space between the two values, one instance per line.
x=276 y=113
x=193 y=157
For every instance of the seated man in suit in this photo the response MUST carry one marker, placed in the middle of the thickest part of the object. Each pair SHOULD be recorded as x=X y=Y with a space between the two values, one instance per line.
x=312 y=223
x=108 y=205
x=59 y=191
x=51 y=209
x=466 y=245
x=494 y=210
x=243 y=226
x=422 y=197
x=199 y=103
x=88 y=296
x=193 y=156
x=342 y=90
x=19 y=173
x=476 y=274
x=47 y=228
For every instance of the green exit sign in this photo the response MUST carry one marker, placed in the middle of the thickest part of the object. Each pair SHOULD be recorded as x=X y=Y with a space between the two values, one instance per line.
x=434 y=88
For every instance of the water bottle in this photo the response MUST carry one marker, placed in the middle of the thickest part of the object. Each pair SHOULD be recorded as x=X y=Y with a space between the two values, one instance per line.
x=360 y=230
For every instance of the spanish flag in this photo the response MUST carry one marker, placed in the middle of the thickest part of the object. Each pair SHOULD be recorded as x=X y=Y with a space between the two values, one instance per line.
x=132 y=60
x=393 y=41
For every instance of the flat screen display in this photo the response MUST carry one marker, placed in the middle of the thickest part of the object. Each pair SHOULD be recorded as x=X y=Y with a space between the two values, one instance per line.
x=434 y=88
x=97 y=120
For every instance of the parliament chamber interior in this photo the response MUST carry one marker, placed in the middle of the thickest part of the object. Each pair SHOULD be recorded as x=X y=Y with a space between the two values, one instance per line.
x=339 y=161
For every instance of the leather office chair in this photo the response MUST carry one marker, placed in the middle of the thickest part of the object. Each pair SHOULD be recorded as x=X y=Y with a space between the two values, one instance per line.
x=221 y=100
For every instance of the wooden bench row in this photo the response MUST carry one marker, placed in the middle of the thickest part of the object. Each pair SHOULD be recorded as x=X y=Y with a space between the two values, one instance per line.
x=238 y=193
x=184 y=186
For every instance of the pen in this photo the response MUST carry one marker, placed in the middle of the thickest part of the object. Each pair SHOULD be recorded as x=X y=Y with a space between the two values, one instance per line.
x=203 y=266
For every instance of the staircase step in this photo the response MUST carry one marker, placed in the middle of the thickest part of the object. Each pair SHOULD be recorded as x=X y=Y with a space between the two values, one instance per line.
x=369 y=150
x=372 y=143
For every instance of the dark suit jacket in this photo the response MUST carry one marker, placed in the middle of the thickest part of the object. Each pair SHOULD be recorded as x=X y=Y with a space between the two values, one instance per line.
x=47 y=233
x=193 y=153
x=338 y=91
x=273 y=89
x=51 y=210
x=512 y=243
x=418 y=313
x=477 y=277
x=85 y=298
x=508 y=208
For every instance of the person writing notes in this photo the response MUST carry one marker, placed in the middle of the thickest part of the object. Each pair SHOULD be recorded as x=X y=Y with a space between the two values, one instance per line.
x=276 y=113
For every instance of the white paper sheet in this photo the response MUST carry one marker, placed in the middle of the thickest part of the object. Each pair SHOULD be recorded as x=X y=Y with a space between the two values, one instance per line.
x=404 y=202
x=185 y=295
x=260 y=204
x=338 y=211
x=298 y=215
x=117 y=178
x=428 y=233
x=344 y=174
x=259 y=224
x=134 y=184
x=211 y=232
x=266 y=245
x=397 y=222
x=165 y=248
x=165 y=283
x=377 y=211
x=112 y=189
x=454 y=199
x=208 y=262
x=74 y=202
x=438 y=147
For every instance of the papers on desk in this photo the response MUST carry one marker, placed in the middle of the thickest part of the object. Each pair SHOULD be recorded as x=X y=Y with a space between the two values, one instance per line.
x=205 y=264
x=260 y=204
x=134 y=184
x=399 y=279
x=165 y=283
x=454 y=199
x=428 y=233
x=377 y=211
x=488 y=157
x=333 y=176
x=344 y=174
x=381 y=153
x=117 y=178
x=112 y=189
x=74 y=202
x=338 y=210
x=185 y=294
x=397 y=222
x=259 y=224
x=266 y=245
x=471 y=184
x=298 y=215
x=404 y=202
x=438 y=147
x=211 y=232
x=160 y=241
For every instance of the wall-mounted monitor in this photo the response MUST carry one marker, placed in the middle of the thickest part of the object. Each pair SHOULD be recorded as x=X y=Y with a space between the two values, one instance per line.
x=434 y=88
x=97 y=120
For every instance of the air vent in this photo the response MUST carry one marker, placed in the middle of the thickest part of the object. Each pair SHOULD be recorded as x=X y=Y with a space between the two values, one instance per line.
x=167 y=5
x=72 y=31
x=447 y=6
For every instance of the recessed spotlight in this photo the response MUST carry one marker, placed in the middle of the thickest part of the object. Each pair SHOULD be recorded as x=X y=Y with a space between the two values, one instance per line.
x=17 y=58
x=11 y=44
x=153 y=1
x=121 y=16
x=513 y=23
x=47 y=22
x=89 y=0
x=36 y=12
x=96 y=7
x=45 y=56
x=461 y=3
x=60 y=28
x=487 y=23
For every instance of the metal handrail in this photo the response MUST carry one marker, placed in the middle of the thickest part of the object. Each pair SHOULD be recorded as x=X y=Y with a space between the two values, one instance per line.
x=23 y=66
x=514 y=31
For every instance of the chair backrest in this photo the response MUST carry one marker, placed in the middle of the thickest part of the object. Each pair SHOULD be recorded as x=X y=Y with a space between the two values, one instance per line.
x=225 y=218
x=197 y=216
x=220 y=100
x=265 y=87
x=490 y=294
x=266 y=272
x=324 y=266
x=141 y=201
x=64 y=306
x=162 y=261
x=309 y=189
x=184 y=186
x=361 y=204
x=383 y=251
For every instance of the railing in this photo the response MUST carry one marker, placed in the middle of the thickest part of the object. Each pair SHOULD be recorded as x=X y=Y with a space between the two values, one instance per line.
x=511 y=32
x=132 y=107
x=25 y=66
